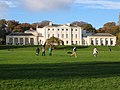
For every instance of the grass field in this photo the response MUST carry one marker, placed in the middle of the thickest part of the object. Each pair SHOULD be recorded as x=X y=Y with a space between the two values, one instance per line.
x=21 y=69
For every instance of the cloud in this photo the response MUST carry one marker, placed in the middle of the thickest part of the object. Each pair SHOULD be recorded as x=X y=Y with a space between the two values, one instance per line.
x=5 y=5
x=46 y=5
x=100 y=4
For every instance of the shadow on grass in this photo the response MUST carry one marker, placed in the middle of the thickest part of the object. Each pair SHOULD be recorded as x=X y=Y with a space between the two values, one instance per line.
x=61 y=70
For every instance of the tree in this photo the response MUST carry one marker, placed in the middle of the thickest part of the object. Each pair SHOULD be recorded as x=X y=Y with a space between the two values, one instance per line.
x=84 y=25
x=43 y=23
x=2 y=31
x=11 y=24
x=52 y=41
x=109 y=27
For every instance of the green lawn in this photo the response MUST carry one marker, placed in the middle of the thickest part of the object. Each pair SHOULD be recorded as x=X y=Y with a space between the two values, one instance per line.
x=21 y=69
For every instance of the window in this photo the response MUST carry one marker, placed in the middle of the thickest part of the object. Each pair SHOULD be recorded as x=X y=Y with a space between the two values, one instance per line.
x=75 y=29
x=48 y=35
x=62 y=29
x=66 y=42
x=48 y=29
x=53 y=29
x=66 y=29
x=111 y=42
x=62 y=35
x=58 y=29
x=76 y=42
x=66 y=35
x=72 y=43
x=21 y=41
x=91 y=41
x=26 y=41
x=32 y=41
x=106 y=41
x=16 y=41
x=10 y=41
x=72 y=35
x=71 y=29
x=96 y=41
x=75 y=35
x=58 y=35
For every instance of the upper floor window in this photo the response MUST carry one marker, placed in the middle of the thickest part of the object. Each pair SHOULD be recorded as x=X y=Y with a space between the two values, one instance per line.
x=62 y=35
x=58 y=35
x=66 y=35
x=75 y=35
x=48 y=35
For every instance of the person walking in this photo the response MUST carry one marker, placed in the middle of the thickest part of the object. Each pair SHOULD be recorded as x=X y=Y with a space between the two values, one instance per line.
x=50 y=51
x=37 y=51
x=95 y=52
x=43 y=51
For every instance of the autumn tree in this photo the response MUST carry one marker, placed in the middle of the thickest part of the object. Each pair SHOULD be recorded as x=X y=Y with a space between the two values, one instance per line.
x=11 y=24
x=109 y=27
x=2 y=30
x=52 y=41
x=84 y=25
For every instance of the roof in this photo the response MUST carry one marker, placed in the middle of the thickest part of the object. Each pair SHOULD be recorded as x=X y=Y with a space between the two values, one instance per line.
x=101 y=34
x=20 y=34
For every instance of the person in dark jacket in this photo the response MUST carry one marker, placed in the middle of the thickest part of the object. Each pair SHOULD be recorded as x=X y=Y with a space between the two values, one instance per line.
x=37 y=51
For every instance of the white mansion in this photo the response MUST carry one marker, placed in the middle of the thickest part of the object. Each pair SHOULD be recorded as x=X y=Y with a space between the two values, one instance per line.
x=69 y=34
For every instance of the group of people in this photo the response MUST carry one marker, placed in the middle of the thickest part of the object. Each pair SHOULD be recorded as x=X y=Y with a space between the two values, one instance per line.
x=95 y=51
x=43 y=51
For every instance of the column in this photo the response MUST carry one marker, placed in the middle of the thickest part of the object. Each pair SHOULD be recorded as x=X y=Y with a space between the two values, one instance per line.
x=23 y=40
x=13 y=41
x=99 y=41
x=104 y=42
x=109 y=42
x=94 y=42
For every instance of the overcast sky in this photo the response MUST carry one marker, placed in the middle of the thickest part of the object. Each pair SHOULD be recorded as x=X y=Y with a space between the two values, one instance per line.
x=95 y=12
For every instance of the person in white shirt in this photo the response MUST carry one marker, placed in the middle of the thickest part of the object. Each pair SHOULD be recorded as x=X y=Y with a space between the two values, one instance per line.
x=74 y=52
x=95 y=52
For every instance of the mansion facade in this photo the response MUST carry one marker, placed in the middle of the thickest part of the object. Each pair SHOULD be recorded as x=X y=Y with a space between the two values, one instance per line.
x=71 y=35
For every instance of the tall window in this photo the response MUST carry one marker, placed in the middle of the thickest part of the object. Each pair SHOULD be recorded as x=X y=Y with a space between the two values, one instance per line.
x=75 y=35
x=21 y=41
x=62 y=35
x=111 y=42
x=91 y=41
x=48 y=35
x=16 y=41
x=32 y=41
x=66 y=42
x=58 y=35
x=72 y=35
x=96 y=41
x=10 y=41
x=26 y=41
x=106 y=42
x=76 y=42
x=66 y=35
